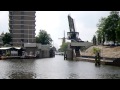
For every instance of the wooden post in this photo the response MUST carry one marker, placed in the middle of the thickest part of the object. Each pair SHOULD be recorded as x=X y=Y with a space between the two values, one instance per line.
x=97 y=59
x=72 y=54
x=65 y=55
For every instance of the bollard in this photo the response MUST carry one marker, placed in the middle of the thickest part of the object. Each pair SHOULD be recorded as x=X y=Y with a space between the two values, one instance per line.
x=97 y=59
x=65 y=56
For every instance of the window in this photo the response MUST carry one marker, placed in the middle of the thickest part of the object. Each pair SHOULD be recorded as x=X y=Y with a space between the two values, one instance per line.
x=22 y=17
x=22 y=40
x=11 y=26
x=22 y=31
x=22 y=22
x=11 y=22
x=11 y=17
x=10 y=31
x=11 y=12
x=22 y=12
x=22 y=35
x=22 y=26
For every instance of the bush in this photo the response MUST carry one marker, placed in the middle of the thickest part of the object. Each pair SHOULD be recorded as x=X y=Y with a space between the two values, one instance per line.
x=96 y=50
x=8 y=54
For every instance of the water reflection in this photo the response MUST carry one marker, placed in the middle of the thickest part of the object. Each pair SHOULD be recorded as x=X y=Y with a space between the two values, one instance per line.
x=55 y=68
x=73 y=76
x=109 y=76
x=21 y=75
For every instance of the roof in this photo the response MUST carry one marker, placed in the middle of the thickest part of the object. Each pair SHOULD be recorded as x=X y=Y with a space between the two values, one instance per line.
x=6 y=48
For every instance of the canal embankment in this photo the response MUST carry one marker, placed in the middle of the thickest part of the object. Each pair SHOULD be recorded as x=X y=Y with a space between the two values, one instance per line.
x=110 y=55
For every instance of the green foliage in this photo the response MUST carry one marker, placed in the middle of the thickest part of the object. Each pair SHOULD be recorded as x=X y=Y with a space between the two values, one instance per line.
x=64 y=47
x=101 y=31
x=118 y=32
x=7 y=38
x=43 y=38
x=96 y=50
x=109 y=28
x=8 y=53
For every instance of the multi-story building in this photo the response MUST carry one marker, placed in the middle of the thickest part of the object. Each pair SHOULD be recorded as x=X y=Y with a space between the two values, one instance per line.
x=22 y=27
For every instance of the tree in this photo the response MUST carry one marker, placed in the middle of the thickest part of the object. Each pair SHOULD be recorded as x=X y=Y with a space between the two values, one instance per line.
x=109 y=28
x=118 y=32
x=94 y=40
x=99 y=37
x=64 y=46
x=7 y=38
x=101 y=31
x=111 y=25
x=43 y=38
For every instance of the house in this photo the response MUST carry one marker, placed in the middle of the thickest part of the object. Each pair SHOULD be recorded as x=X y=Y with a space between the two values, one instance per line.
x=11 y=51
x=42 y=51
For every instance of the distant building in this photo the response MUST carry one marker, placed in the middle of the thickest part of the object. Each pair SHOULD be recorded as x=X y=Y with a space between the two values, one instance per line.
x=22 y=27
x=44 y=50
x=54 y=49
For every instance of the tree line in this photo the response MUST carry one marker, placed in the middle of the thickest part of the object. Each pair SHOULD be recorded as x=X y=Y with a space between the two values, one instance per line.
x=43 y=37
x=108 y=29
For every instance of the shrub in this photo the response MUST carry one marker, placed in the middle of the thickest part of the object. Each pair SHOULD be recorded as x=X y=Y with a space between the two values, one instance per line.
x=96 y=50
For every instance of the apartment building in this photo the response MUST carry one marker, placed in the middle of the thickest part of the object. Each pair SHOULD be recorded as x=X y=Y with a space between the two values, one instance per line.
x=22 y=27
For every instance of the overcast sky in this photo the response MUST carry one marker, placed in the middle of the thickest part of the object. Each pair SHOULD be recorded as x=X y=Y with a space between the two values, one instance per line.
x=55 y=22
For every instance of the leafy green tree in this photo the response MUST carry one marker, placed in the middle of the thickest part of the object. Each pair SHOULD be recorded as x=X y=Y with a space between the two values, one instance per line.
x=101 y=31
x=7 y=38
x=64 y=46
x=43 y=38
x=96 y=50
x=118 y=32
x=111 y=26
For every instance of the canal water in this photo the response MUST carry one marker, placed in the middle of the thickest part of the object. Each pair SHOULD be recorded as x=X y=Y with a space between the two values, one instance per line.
x=55 y=68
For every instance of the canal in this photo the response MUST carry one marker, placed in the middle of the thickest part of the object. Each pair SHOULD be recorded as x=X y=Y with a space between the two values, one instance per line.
x=55 y=68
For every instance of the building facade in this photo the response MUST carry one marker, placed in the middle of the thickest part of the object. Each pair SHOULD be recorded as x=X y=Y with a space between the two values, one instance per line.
x=22 y=27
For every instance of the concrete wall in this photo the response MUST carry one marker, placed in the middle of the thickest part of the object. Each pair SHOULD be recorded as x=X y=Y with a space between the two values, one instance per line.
x=44 y=50
x=69 y=55
x=31 y=49
x=30 y=45
x=45 y=54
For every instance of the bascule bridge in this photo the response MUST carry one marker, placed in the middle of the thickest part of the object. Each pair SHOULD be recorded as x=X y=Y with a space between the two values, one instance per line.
x=76 y=43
